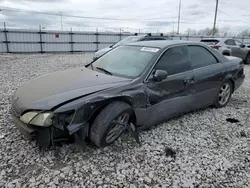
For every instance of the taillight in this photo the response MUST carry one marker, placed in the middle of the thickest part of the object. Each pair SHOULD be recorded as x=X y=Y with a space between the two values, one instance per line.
x=216 y=47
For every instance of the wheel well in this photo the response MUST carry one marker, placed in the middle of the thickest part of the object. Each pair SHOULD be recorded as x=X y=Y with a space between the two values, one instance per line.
x=226 y=53
x=233 y=84
x=248 y=53
x=101 y=107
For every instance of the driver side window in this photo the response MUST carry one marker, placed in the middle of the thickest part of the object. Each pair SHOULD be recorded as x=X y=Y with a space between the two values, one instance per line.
x=175 y=60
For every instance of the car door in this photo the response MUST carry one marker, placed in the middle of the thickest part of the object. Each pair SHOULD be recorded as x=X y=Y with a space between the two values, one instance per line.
x=208 y=75
x=235 y=50
x=172 y=95
x=242 y=50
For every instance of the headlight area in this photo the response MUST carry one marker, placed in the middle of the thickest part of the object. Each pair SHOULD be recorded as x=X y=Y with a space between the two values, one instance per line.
x=42 y=119
x=51 y=127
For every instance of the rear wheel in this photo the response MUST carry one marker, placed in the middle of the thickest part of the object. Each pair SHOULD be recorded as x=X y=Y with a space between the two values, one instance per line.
x=247 y=60
x=224 y=94
x=103 y=130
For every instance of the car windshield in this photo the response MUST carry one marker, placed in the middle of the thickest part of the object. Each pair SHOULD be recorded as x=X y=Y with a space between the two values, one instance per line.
x=125 y=61
x=126 y=40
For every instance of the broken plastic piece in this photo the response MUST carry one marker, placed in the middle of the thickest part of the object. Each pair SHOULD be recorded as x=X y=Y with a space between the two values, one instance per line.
x=132 y=130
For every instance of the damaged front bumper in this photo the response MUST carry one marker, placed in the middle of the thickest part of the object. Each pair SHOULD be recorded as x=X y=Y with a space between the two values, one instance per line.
x=26 y=130
x=46 y=136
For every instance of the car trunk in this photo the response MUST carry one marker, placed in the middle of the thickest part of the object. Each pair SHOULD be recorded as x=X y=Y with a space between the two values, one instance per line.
x=211 y=42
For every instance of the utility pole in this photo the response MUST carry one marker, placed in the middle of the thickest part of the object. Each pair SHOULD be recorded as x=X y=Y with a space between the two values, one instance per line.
x=61 y=20
x=215 y=17
x=173 y=28
x=179 y=17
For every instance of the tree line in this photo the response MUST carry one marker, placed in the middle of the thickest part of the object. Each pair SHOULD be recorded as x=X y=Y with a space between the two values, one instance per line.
x=222 y=32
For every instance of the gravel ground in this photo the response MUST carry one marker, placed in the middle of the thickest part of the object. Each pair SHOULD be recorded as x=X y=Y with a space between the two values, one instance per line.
x=210 y=152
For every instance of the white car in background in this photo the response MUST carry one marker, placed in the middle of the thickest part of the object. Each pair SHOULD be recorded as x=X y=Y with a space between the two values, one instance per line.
x=229 y=47
x=130 y=39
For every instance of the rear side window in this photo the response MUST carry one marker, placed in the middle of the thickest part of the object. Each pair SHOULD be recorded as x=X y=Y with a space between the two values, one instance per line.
x=175 y=60
x=201 y=57
x=230 y=42
x=209 y=42
x=238 y=43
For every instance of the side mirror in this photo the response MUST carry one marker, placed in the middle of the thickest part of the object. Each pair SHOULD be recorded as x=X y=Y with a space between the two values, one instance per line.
x=242 y=46
x=160 y=75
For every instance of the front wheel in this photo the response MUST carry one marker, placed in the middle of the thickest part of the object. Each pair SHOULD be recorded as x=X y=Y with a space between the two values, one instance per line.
x=224 y=94
x=104 y=131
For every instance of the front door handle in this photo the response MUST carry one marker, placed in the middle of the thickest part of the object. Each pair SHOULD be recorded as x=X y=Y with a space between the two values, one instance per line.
x=189 y=80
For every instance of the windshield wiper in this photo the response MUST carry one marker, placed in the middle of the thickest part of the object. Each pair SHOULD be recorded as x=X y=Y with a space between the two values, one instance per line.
x=104 y=70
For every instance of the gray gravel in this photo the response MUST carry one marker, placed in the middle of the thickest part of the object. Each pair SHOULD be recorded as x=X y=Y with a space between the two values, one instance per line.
x=210 y=152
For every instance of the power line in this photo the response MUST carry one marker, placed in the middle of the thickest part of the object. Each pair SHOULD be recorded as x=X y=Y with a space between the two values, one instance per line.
x=76 y=16
x=60 y=14
x=234 y=6
x=233 y=17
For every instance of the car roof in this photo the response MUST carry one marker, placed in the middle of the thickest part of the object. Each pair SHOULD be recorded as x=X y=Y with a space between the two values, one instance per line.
x=160 y=43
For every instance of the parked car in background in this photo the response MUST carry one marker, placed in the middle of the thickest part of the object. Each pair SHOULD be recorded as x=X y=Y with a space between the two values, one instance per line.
x=130 y=39
x=229 y=47
x=142 y=83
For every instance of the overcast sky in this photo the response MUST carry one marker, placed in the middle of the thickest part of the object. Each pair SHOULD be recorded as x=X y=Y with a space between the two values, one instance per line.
x=146 y=15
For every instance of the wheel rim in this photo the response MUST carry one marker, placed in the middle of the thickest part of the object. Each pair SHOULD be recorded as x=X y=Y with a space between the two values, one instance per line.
x=116 y=130
x=224 y=93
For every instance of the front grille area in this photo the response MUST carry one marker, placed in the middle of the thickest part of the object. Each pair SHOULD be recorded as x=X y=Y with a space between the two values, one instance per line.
x=15 y=110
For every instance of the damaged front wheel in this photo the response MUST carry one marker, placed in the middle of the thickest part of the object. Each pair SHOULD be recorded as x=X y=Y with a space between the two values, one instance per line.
x=103 y=131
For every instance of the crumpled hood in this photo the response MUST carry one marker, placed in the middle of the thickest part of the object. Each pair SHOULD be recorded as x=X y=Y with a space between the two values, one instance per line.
x=50 y=90
x=102 y=51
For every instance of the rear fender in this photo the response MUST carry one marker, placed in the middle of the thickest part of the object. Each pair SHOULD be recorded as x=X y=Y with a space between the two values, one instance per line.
x=226 y=51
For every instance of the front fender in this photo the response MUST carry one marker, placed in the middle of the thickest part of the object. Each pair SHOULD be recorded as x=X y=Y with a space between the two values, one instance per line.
x=86 y=110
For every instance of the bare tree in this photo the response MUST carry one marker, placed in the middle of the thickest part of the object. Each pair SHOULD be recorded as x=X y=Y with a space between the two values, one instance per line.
x=224 y=31
x=244 y=33
x=208 y=31
x=191 y=32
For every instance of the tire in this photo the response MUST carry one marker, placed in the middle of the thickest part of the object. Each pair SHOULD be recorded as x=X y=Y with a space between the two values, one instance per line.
x=218 y=100
x=247 y=60
x=102 y=124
